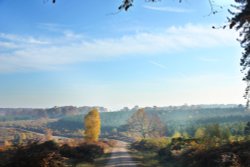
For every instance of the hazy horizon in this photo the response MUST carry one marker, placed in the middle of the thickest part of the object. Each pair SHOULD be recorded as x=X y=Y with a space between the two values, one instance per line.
x=122 y=107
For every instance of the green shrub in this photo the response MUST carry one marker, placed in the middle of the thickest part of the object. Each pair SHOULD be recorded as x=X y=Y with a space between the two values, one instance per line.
x=151 y=144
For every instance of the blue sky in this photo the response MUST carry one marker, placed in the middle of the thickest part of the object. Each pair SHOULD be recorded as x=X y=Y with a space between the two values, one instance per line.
x=87 y=53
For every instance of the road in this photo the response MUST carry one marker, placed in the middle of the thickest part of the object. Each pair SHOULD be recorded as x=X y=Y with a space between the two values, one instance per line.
x=120 y=157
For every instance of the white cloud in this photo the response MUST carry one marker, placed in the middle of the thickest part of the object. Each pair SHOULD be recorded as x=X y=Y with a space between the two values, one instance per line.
x=158 y=64
x=44 y=53
x=8 y=45
x=208 y=59
x=53 y=27
x=168 y=9
x=19 y=40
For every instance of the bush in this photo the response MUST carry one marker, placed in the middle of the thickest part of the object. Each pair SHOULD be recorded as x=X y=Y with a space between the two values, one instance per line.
x=84 y=152
x=151 y=144
x=67 y=151
x=89 y=152
x=39 y=155
x=49 y=154
x=233 y=155
x=177 y=147
x=165 y=153
x=104 y=145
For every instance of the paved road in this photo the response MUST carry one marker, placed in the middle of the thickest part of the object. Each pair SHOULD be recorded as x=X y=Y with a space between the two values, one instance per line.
x=120 y=157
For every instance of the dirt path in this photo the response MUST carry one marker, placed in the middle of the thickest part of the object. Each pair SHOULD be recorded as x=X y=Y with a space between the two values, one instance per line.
x=120 y=157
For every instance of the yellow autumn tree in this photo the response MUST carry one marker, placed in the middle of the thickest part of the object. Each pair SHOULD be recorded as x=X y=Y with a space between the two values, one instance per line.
x=92 y=123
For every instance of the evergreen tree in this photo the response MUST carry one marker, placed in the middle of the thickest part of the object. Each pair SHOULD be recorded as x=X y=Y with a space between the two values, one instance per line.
x=241 y=21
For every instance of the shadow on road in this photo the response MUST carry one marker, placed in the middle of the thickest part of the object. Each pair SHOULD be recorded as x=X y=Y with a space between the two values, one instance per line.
x=119 y=157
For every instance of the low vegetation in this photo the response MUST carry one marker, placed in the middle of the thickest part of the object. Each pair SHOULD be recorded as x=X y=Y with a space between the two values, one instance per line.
x=211 y=145
x=52 y=154
x=193 y=153
x=151 y=144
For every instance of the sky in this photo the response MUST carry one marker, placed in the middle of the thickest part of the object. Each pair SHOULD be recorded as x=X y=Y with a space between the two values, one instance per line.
x=87 y=53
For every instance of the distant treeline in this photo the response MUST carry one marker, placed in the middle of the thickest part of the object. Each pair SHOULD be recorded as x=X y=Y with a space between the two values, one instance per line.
x=10 y=114
x=172 y=117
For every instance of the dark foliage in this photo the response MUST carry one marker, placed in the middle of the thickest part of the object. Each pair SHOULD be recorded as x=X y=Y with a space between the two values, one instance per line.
x=39 y=155
x=236 y=154
x=89 y=152
x=84 y=152
x=49 y=154
x=126 y=4
x=166 y=154
x=229 y=155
